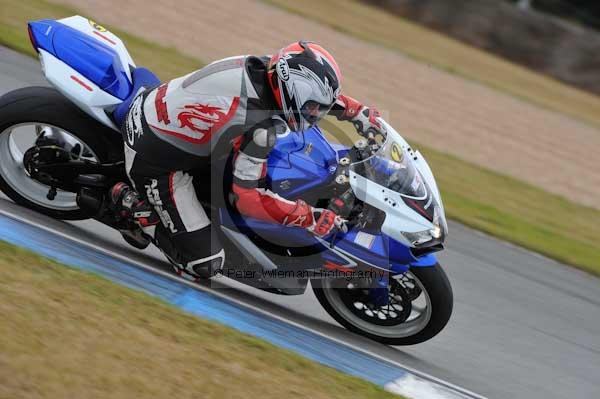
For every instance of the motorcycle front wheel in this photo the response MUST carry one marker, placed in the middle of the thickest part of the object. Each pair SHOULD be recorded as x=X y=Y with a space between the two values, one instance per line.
x=419 y=306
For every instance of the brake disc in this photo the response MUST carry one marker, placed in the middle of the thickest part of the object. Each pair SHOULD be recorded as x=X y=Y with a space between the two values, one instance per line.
x=395 y=312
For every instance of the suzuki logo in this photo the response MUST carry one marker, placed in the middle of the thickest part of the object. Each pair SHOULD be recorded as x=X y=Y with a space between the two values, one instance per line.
x=285 y=185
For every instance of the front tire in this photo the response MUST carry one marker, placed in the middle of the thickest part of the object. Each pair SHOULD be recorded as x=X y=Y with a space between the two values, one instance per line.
x=22 y=113
x=435 y=288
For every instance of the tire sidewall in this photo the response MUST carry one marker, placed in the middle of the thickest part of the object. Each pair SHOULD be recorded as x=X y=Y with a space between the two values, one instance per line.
x=438 y=287
x=46 y=105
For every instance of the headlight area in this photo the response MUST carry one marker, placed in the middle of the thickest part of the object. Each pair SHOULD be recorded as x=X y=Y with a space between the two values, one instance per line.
x=421 y=238
x=425 y=242
x=428 y=238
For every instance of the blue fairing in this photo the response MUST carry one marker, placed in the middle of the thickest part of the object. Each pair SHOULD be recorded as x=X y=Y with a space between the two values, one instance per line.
x=425 y=261
x=383 y=252
x=300 y=162
x=93 y=59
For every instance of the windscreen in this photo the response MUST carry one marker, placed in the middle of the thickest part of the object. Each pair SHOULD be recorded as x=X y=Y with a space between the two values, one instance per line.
x=392 y=168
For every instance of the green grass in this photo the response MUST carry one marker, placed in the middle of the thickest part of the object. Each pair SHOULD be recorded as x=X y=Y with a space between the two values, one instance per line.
x=517 y=212
x=381 y=27
x=69 y=334
x=497 y=204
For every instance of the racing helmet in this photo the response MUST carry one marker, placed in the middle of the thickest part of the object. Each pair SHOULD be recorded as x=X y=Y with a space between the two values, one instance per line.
x=305 y=80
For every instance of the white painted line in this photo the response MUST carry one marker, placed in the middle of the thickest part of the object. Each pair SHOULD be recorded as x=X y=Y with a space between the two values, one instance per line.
x=424 y=376
x=415 y=387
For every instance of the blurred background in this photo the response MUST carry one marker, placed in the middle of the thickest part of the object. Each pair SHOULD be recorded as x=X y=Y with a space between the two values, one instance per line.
x=559 y=38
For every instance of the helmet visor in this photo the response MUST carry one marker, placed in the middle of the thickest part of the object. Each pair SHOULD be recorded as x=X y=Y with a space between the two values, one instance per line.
x=313 y=112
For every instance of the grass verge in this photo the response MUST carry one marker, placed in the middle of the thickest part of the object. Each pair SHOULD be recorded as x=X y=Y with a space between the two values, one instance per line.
x=496 y=204
x=381 y=27
x=518 y=212
x=70 y=334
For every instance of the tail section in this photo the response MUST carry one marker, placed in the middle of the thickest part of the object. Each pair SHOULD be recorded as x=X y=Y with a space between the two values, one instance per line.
x=86 y=62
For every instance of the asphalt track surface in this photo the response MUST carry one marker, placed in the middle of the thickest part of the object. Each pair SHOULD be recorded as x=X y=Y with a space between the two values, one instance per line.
x=523 y=326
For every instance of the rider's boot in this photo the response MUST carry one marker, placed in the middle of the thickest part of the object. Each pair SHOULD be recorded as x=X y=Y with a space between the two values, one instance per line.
x=128 y=206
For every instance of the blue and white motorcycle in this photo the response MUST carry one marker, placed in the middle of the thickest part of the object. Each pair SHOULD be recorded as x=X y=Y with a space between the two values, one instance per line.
x=61 y=149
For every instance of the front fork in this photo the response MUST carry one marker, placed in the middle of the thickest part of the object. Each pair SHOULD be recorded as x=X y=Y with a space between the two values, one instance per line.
x=379 y=291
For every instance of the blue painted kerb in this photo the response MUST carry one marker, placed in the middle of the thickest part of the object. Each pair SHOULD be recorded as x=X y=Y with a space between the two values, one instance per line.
x=200 y=303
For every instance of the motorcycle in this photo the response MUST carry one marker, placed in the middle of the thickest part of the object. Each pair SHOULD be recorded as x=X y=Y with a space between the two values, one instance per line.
x=61 y=150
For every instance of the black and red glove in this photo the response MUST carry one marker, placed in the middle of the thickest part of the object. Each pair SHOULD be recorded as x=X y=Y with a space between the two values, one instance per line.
x=363 y=118
x=318 y=221
x=326 y=222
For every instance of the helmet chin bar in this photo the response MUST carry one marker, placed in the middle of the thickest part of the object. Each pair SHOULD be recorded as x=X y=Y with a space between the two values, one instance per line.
x=312 y=112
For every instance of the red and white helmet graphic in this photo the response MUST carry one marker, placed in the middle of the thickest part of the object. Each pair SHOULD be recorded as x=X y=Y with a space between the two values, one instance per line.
x=305 y=80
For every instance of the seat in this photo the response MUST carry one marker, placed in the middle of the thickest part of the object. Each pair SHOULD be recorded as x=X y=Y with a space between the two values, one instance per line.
x=142 y=78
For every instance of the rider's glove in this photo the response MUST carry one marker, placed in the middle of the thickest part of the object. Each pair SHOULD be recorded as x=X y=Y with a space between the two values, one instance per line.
x=318 y=221
x=363 y=118
x=326 y=222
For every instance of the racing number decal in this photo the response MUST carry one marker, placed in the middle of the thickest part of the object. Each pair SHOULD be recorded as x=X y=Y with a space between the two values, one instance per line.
x=397 y=153
x=97 y=26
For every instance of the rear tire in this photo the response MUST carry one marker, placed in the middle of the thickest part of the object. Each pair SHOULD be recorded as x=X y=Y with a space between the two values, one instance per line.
x=434 y=281
x=47 y=106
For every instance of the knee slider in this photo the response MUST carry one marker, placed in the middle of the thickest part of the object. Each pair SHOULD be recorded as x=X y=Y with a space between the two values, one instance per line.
x=207 y=267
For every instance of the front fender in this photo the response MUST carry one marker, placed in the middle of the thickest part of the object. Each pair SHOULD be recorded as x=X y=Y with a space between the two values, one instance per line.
x=425 y=261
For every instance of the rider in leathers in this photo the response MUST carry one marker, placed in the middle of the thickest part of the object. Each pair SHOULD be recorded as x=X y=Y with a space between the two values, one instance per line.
x=246 y=102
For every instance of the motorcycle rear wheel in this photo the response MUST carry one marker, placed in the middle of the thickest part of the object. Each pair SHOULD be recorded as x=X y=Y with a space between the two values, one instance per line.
x=30 y=111
x=436 y=294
